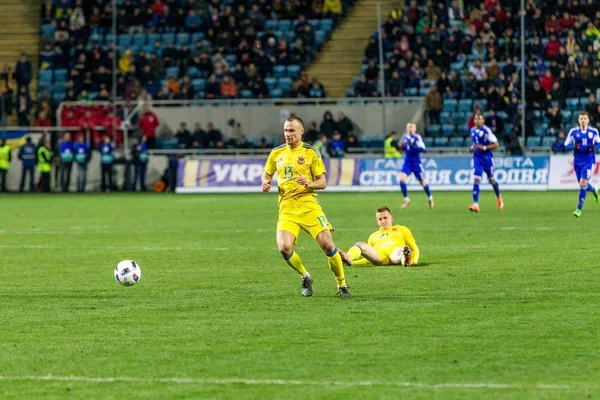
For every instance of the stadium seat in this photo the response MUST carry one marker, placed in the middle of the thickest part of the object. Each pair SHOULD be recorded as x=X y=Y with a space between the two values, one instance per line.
x=508 y=127
x=423 y=92
x=456 y=142
x=124 y=40
x=412 y=92
x=540 y=130
x=285 y=84
x=566 y=114
x=450 y=105
x=434 y=130
x=153 y=37
x=284 y=25
x=428 y=141
x=532 y=141
x=198 y=84
x=196 y=37
x=139 y=39
x=172 y=71
x=293 y=71
x=60 y=75
x=441 y=142
x=183 y=38
x=327 y=24
x=315 y=23
x=583 y=102
x=448 y=130
x=502 y=115
x=58 y=97
x=465 y=105
x=548 y=141
x=376 y=143
x=572 y=103
x=279 y=71
x=231 y=59
x=192 y=72
x=482 y=103
x=47 y=30
x=148 y=49
x=167 y=38
x=271 y=83
x=320 y=37
x=350 y=93
x=109 y=38
x=276 y=93
x=271 y=24
x=45 y=76
x=245 y=94
x=444 y=117
x=45 y=85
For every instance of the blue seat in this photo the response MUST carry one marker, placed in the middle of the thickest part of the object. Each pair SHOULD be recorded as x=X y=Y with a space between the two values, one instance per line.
x=502 y=115
x=284 y=25
x=350 y=93
x=566 y=114
x=315 y=23
x=60 y=75
x=231 y=59
x=533 y=141
x=444 y=117
x=572 y=103
x=198 y=84
x=290 y=36
x=583 y=102
x=45 y=75
x=245 y=94
x=376 y=143
x=271 y=24
x=293 y=71
x=47 y=30
x=276 y=93
x=457 y=66
x=153 y=37
x=428 y=141
x=135 y=49
x=448 y=130
x=172 y=71
x=167 y=38
x=482 y=103
x=271 y=83
x=196 y=37
x=183 y=38
x=411 y=92
x=149 y=48
x=192 y=72
x=450 y=105
x=320 y=37
x=58 y=97
x=548 y=141
x=166 y=144
x=45 y=85
x=540 y=130
x=279 y=35
x=139 y=39
x=441 y=142
x=433 y=130
x=285 y=84
x=423 y=92
x=456 y=142
x=508 y=127
x=124 y=40
x=279 y=71
x=465 y=105
x=109 y=38
x=327 y=24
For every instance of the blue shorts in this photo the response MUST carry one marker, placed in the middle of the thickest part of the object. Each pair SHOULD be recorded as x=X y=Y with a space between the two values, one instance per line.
x=481 y=165
x=410 y=168
x=584 y=170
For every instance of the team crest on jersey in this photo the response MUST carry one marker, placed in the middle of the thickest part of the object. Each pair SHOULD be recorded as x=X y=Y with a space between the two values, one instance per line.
x=301 y=160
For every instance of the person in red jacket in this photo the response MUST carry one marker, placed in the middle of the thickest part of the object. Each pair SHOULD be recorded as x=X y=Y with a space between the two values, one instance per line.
x=88 y=122
x=547 y=81
x=43 y=120
x=148 y=124
x=112 y=124
x=552 y=47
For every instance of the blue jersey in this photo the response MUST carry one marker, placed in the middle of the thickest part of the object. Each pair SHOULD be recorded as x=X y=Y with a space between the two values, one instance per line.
x=107 y=153
x=413 y=147
x=81 y=152
x=66 y=151
x=485 y=137
x=583 y=143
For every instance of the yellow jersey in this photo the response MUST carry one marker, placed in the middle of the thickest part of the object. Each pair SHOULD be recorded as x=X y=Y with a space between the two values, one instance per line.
x=386 y=240
x=289 y=163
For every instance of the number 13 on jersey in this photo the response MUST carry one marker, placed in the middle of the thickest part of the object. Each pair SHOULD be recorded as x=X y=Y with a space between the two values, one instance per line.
x=287 y=172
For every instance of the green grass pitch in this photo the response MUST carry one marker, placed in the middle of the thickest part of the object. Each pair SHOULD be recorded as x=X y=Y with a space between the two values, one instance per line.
x=504 y=305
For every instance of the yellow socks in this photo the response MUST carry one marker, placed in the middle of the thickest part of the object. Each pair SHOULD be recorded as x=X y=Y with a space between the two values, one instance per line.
x=337 y=267
x=295 y=262
x=354 y=252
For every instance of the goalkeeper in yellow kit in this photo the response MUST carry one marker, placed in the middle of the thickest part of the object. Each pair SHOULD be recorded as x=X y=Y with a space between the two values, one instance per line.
x=390 y=245
x=300 y=172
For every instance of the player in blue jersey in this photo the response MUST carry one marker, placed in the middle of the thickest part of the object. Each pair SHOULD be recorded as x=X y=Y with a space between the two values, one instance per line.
x=583 y=140
x=413 y=146
x=484 y=141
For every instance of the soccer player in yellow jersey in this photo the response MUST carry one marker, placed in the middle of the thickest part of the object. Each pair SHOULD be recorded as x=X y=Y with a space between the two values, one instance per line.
x=390 y=245
x=301 y=172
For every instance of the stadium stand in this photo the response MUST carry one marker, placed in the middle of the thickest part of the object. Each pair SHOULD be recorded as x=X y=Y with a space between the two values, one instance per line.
x=472 y=54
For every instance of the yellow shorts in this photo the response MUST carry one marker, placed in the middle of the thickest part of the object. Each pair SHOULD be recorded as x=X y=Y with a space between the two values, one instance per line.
x=385 y=257
x=295 y=216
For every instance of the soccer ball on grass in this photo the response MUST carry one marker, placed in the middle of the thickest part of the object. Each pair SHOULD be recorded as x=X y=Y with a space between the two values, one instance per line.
x=128 y=273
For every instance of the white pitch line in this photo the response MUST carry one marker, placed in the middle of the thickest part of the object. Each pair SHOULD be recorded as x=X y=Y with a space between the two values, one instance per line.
x=283 y=382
